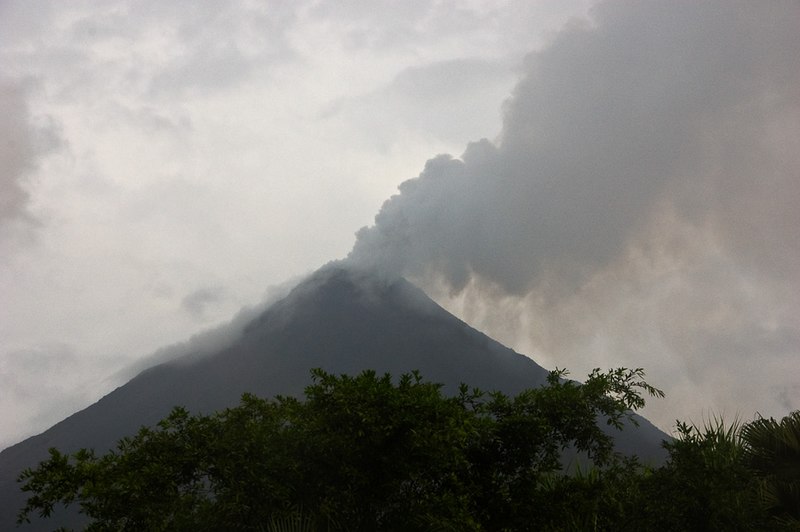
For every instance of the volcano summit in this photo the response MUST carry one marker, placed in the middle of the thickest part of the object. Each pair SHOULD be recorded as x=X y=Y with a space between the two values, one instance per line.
x=339 y=319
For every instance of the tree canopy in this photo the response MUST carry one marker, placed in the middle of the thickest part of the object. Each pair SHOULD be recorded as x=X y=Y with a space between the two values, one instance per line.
x=369 y=452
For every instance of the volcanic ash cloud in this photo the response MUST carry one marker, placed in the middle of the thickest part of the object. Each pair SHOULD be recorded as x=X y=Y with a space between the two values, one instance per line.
x=640 y=205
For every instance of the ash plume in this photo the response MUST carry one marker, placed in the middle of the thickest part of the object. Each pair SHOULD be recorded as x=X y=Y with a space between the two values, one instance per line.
x=640 y=205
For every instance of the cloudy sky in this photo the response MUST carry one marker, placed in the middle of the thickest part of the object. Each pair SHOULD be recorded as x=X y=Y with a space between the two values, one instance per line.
x=600 y=184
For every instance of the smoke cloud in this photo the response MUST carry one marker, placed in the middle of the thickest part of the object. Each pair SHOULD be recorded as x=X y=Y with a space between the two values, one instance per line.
x=640 y=206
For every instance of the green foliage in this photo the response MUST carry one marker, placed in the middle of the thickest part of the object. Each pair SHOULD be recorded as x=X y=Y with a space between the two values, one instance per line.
x=705 y=484
x=295 y=522
x=372 y=453
x=716 y=478
x=359 y=453
x=517 y=461
x=772 y=448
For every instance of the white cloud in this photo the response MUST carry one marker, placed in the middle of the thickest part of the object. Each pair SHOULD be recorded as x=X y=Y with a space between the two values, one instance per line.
x=196 y=152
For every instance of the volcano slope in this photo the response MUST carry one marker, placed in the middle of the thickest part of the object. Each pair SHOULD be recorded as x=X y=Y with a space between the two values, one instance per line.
x=338 y=319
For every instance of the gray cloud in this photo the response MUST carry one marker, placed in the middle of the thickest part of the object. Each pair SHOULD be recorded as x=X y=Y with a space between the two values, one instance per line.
x=197 y=302
x=649 y=160
x=209 y=341
x=219 y=48
x=655 y=103
x=26 y=373
x=387 y=24
x=428 y=99
x=17 y=152
x=24 y=139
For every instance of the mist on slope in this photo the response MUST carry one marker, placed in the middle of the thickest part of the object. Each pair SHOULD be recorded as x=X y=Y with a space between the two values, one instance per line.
x=639 y=207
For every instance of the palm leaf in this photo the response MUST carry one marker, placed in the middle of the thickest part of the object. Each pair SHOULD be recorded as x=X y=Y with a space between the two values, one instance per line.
x=772 y=448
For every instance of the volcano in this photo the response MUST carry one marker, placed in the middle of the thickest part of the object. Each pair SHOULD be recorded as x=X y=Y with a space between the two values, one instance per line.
x=339 y=319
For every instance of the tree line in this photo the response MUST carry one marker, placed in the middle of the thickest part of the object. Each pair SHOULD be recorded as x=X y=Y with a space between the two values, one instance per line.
x=370 y=452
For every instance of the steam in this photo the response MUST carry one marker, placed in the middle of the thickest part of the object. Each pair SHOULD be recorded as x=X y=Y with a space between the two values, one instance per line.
x=639 y=207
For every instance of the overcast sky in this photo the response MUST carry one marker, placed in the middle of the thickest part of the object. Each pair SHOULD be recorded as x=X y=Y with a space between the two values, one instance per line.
x=622 y=184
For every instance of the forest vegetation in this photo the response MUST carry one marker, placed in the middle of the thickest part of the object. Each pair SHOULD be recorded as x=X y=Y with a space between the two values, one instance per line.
x=371 y=452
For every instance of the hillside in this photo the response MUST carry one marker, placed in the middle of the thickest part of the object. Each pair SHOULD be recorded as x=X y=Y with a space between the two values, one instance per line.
x=340 y=320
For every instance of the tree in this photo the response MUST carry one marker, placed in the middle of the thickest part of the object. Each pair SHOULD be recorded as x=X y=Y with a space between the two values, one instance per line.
x=361 y=453
x=705 y=485
x=772 y=449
